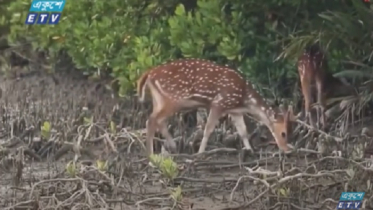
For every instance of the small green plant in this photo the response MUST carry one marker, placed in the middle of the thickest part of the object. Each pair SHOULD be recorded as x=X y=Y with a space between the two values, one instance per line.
x=71 y=168
x=101 y=165
x=88 y=120
x=358 y=151
x=46 y=130
x=113 y=127
x=167 y=166
x=156 y=160
x=176 y=194
x=350 y=172
x=283 y=192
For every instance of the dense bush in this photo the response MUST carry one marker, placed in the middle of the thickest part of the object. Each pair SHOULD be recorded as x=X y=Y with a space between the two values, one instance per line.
x=125 y=37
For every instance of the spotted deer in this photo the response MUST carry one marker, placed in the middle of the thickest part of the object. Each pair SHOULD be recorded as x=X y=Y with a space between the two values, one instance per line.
x=193 y=83
x=313 y=73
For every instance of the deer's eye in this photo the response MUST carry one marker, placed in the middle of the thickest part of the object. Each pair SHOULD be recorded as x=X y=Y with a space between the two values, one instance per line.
x=283 y=134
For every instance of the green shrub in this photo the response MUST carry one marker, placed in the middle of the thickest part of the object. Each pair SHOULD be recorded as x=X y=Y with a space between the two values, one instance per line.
x=126 y=37
x=99 y=36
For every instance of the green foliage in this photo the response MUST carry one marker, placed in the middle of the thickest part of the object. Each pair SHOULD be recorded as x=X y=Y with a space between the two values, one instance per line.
x=283 y=192
x=126 y=37
x=207 y=27
x=176 y=194
x=71 y=169
x=156 y=160
x=167 y=166
x=99 y=36
x=88 y=120
x=102 y=165
x=45 y=130
x=113 y=127
x=346 y=34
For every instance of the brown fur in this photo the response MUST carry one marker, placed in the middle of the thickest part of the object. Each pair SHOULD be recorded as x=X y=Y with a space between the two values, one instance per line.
x=193 y=83
x=315 y=78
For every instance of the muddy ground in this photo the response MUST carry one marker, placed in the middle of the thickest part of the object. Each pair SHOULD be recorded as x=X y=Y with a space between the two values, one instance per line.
x=33 y=172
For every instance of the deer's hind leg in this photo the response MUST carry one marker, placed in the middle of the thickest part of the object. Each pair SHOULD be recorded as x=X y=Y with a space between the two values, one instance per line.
x=158 y=121
x=306 y=90
x=163 y=115
x=162 y=109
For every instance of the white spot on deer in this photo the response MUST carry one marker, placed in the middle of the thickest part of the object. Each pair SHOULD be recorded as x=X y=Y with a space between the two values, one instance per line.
x=218 y=98
x=201 y=96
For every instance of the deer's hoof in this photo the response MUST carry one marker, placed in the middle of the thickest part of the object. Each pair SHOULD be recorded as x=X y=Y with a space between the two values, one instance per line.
x=247 y=151
x=170 y=146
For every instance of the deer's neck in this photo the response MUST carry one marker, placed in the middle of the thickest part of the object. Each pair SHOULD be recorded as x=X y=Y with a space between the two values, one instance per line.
x=260 y=111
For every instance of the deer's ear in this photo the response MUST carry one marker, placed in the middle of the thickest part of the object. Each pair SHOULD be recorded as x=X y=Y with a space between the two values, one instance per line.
x=273 y=116
x=282 y=109
x=344 y=81
x=289 y=116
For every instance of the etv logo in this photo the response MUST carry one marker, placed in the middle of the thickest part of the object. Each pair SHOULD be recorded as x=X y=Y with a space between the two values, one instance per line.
x=43 y=7
x=350 y=200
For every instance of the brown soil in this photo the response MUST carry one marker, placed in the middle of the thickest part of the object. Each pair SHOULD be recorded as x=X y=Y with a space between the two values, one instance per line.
x=33 y=174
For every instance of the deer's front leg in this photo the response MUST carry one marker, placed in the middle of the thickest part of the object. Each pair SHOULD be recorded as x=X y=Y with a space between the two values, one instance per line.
x=240 y=125
x=321 y=104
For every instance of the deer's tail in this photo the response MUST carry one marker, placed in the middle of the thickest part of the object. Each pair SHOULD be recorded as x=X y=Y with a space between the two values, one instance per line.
x=141 y=86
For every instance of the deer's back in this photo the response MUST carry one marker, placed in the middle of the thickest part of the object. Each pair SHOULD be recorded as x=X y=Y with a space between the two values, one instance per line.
x=312 y=64
x=199 y=80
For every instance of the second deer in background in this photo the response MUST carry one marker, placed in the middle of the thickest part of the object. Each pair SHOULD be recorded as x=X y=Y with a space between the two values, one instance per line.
x=313 y=73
